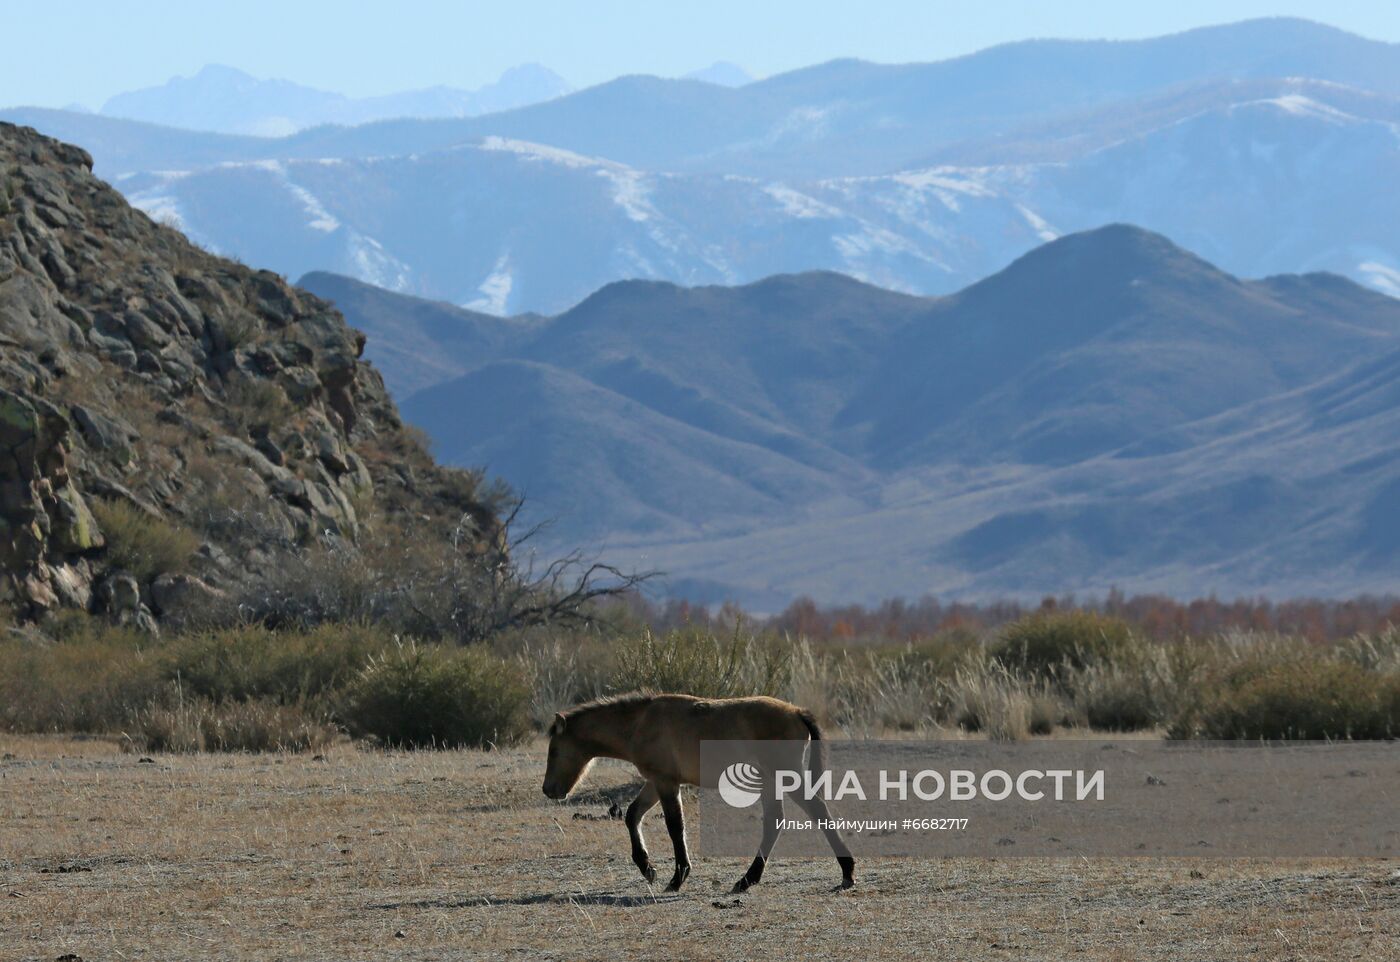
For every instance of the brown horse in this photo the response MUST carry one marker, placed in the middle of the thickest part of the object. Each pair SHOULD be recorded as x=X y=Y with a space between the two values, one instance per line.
x=661 y=735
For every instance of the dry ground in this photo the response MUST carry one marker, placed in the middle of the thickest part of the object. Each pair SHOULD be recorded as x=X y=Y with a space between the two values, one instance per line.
x=456 y=855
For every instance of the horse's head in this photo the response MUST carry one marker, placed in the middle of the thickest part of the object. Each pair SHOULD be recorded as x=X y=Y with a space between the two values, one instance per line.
x=568 y=759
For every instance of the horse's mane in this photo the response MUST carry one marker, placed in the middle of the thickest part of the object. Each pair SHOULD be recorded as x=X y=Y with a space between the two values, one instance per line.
x=626 y=699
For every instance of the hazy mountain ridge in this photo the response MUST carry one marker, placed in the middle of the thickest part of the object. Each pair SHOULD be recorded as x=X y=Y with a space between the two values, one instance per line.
x=226 y=100
x=506 y=226
x=1108 y=410
x=1250 y=143
x=872 y=118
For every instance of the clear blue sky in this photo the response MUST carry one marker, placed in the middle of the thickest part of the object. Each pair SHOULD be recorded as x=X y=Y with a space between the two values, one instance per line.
x=83 y=51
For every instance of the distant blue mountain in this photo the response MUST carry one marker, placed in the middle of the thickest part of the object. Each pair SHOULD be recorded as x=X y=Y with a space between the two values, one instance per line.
x=1262 y=177
x=723 y=73
x=225 y=100
x=1110 y=409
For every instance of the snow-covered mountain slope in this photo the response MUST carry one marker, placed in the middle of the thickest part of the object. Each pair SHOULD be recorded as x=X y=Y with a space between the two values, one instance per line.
x=1262 y=179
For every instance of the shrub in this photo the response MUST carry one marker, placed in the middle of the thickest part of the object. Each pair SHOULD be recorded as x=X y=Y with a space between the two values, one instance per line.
x=1388 y=702
x=202 y=725
x=142 y=545
x=560 y=675
x=1046 y=712
x=990 y=700
x=1378 y=652
x=947 y=651
x=1116 y=697
x=1044 y=643
x=253 y=662
x=90 y=684
x=255 y=402
x=239 y=329
x=423 y=696
x=695 y=661
x=1308 y=698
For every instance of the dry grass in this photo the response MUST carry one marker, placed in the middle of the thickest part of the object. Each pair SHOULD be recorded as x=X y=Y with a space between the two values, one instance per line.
x=272 y=856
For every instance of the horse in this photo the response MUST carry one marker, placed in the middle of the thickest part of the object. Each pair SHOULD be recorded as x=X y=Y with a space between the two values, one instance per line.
x=660 y=734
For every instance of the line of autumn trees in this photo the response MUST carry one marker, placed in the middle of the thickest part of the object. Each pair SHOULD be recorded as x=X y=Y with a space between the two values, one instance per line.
x=1156 y=616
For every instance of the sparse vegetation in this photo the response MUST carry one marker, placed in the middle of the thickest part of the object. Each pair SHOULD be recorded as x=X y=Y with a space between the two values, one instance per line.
x=242 y=685
x=702 y=663
x=254 y=402
x=199 y=725
x=143 y=545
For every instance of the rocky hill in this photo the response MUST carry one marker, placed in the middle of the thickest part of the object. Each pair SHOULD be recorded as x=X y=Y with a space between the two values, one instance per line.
x=188 y=399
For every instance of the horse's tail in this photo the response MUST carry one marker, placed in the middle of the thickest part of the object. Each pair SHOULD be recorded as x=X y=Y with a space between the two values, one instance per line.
x=816 y=758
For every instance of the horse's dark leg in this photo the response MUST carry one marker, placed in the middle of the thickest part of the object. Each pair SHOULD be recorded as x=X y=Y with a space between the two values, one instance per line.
x=772 y=815
x=644 y=802
x=675 y=824
x=816 y=808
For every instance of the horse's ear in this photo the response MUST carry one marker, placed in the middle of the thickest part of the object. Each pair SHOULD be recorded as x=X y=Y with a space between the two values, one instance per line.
x=558 y=725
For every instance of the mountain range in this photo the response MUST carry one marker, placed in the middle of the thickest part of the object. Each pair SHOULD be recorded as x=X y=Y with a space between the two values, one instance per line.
x=227 y=100
x=1267 y=146
x=1108 y=410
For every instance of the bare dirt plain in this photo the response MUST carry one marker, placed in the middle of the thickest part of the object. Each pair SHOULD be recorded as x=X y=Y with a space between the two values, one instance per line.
x=456 y=855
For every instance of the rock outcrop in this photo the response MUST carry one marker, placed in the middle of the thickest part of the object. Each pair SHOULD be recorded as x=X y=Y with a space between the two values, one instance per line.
x=138 y=368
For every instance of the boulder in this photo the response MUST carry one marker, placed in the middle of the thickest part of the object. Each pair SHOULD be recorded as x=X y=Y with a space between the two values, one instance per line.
x=186 y=598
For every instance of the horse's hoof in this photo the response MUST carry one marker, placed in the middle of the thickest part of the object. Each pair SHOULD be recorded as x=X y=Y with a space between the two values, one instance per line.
x=846 y=883
x=740 y=887
x=649 y=874
x=674 y=885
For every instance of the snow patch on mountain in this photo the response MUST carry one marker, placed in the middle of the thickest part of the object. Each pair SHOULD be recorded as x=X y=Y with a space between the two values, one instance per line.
x=321 y=219
x=370 y=262
x=495 y=290
x=794 y=203
x=158 y=201
x=1042 y=230
x=543 y=153
x=631 y=193
x=1382 y=277
x=1301 y=106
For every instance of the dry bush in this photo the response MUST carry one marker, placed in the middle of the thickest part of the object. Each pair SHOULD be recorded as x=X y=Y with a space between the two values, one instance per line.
x=1374 y=652
x=875 y=692
x=561 y=673
x=239 y=328
x=466 y=587
x=253 y=402
x=991 y=700
x=92 y=682
x=1127 y=695
x=1046 y=642
x=422 y=696
x=142 y=545
x=695 y=661
x=1047 y=712
x=1304 y=698
x=251 y=662
x=203 y=725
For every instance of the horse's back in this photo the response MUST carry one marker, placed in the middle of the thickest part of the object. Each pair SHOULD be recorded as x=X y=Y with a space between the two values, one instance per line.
x=756 y=718
x=673 y=726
